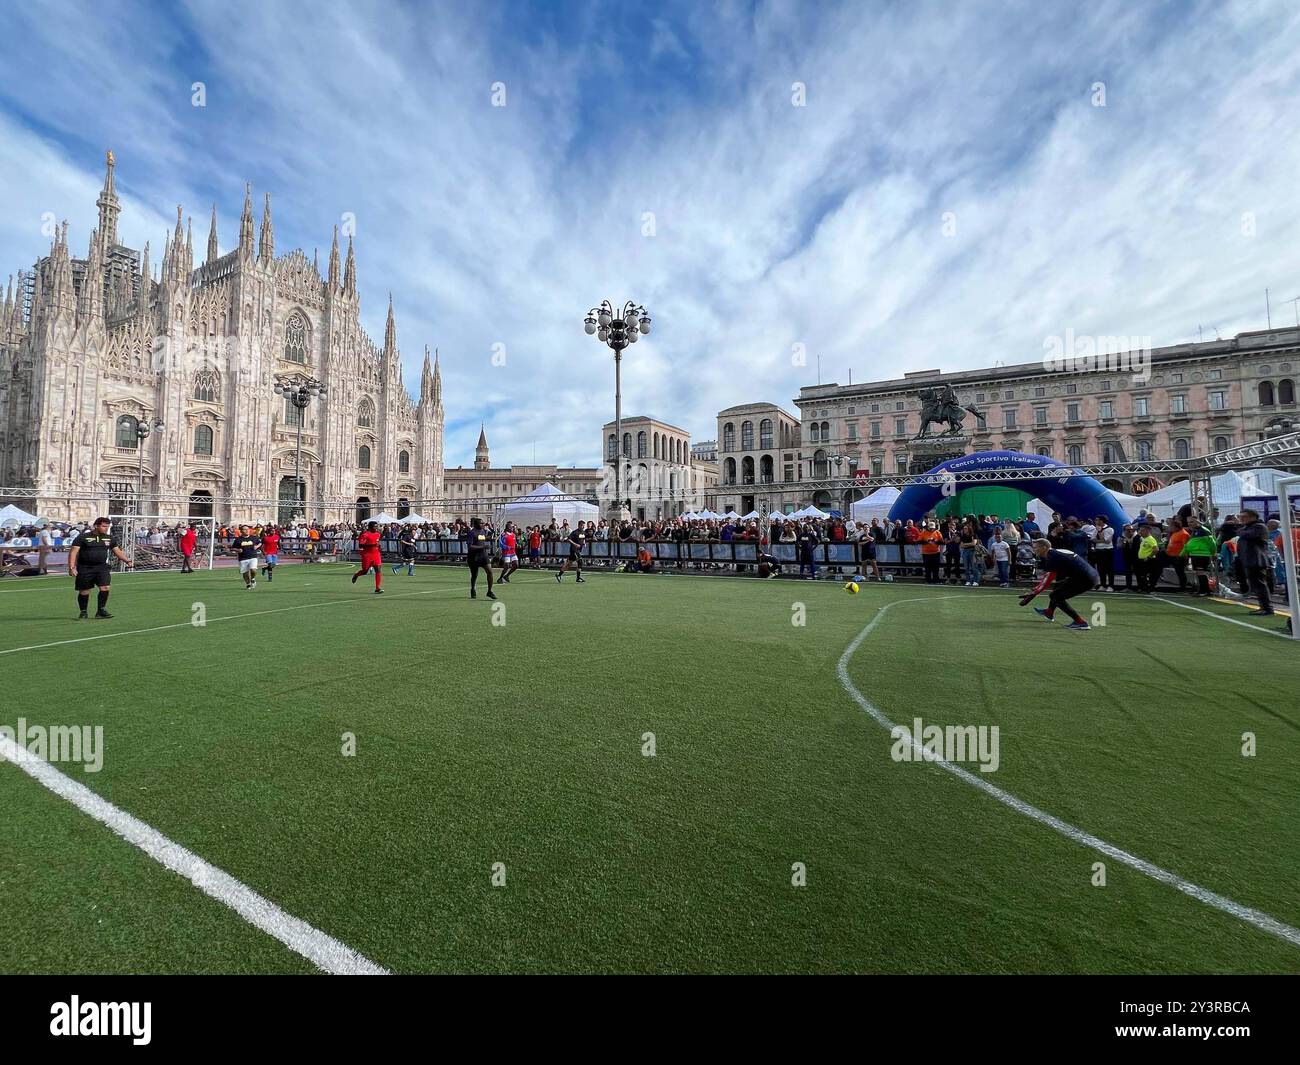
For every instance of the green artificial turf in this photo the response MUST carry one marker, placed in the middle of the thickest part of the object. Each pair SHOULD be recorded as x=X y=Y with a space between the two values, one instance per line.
x=521 y=743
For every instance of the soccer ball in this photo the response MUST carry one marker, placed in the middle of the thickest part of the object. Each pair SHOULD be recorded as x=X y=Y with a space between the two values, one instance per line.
x=851 y=587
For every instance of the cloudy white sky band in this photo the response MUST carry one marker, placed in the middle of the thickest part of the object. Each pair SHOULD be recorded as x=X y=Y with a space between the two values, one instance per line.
x=774 y=225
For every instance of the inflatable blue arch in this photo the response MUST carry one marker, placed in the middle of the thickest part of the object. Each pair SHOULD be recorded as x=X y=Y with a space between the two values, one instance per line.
x=1073 y=495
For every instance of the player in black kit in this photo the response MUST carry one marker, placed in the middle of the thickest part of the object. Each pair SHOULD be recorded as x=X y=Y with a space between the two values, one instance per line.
x=479 y=545
x=88 y=565
x=577 y=541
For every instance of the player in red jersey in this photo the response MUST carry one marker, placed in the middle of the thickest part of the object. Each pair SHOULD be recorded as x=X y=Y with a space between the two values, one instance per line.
x=270 y=551
x=509 y=553
x=368 y=543
x=189 y=538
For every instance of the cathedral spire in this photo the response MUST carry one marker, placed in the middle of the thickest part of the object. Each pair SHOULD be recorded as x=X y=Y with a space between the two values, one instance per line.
x=246 y=224
x=267 y=249
x=426 y=380
x=350 y=271
x=390 y=332
x=212 y=237
x=481 y=460
x=334 y=260
x=145 y=280
x=90 y=301
x=189 y=244
x=109 y=206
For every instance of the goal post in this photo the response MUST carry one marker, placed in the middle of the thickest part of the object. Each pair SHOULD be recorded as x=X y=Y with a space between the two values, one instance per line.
x=152 y=541
x=1286 y=520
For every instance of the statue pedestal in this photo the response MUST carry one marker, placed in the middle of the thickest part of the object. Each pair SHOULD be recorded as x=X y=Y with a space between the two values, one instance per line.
x=927 y=452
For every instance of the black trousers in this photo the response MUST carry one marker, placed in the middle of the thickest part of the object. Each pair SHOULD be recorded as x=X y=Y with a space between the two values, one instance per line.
x=1257 y=582
x=931 y=564
x=1104 y=563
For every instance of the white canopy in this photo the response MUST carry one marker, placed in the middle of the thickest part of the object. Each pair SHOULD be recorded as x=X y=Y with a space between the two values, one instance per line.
x=777 y=515
x=382 y=518
x=707 y=513
x=12 y=515
x=544 y=504
x=810 y=512
x=876 y=505
x=1226 y=491
x=753 y=515
x=412 y=519
x=732 y=515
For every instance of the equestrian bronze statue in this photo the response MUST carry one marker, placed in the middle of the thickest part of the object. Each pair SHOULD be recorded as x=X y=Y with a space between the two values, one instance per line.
x=941 y=405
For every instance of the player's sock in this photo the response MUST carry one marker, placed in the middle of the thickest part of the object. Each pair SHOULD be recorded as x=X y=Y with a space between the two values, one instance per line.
x=83 y=602
x=1070 y=613
x=101 y=603
x=354 y=577
x=379 y=577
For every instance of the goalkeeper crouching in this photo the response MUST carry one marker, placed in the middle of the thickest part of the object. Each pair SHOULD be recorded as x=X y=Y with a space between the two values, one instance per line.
x=1068 y=575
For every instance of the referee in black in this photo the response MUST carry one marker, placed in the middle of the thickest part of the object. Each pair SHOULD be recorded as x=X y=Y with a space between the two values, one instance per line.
x=577 y=541
x=88 y=565
x=479 y=544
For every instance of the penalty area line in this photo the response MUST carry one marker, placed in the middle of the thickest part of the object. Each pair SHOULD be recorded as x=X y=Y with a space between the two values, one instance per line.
x=1256 y=918
x=1220 y=617
x=322 y=950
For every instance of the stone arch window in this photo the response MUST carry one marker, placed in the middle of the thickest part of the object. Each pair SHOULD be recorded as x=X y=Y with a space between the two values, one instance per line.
x=126 y=432
x=815 y=432
x=363 y=457
x=766 y=472
x=1074 y=455
x=658 y=446
x=1221 y=443
x=1182 y=449
x=611 y=451
x=1144 y=450
x=747 y=469
x=366 y=414
x=1046 y=452
x=1266 y=393
x=746 y=436
x=1286 y=391
x=203 y=440
x=296 y=333
x=821 y=464
x=765 y=433
x=627 y=445
x=729 y=471
x=729 y=437
x=641 y=444
x=207 y=386
x=403 y=466
x=1108 y=453
x=363 y=509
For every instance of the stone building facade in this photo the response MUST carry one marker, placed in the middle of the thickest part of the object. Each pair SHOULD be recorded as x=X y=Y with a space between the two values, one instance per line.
x=93 y=347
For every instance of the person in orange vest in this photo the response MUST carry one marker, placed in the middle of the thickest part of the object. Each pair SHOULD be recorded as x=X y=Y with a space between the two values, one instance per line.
x=931 y=541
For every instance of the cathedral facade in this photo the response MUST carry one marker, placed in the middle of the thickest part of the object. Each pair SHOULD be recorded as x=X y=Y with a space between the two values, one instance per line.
x=123 y=391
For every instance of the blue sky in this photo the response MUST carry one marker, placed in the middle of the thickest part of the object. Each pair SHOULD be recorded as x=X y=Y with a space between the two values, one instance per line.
x=774 y=225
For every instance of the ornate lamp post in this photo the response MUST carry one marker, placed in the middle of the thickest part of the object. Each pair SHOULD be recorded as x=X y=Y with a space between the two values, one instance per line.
x=616 y=332
x=299 y=391
x=144 y=428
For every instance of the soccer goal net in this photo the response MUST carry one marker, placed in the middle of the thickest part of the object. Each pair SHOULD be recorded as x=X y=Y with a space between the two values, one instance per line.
x=153 y=542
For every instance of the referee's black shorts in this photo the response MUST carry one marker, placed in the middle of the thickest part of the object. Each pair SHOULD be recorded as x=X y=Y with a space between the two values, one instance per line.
x=92 y=577
x=478 y=560
x=575 y=555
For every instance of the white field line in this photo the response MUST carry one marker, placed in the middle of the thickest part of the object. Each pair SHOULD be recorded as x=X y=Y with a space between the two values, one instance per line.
x=322 y=950
x=231 y=617
x=1255 y=918
x=1220 y=617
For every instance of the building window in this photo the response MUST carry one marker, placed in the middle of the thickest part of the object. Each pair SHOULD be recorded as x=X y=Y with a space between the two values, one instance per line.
x=875 y=408
x=1008 y=419
x=366 y=414
x=363 y=457
x=789 y=472
x=898 y=405
x=126 y=432
x=1105 y=386
x=293 y=414
x=1008 y=394
x=627 y=445
x=853 y=410
x=295 y=338
x=203 y=440
x=1072 y=412
x=875 y=430
x=729 y=471
x=853 y=430
x=641 y=448
x=1074 y=455
x=815 y=432
x=902 y=465
x=1218 y=401
x=1178 y=404
x=1182 y=449
x=1046 y=452
x=1215 y=375
x=1176 y=378
x=747 y=469
x=746 y=436
x=1286 y=391
x=1221 y=443
x=611 y=447
x=1266 y=393
x=206 y=385
x=404 y=462
x=1144 y=450
x=1106 y=408
x=1040 y=392
x=979 y=397
x=729 y=437
x=1040 y=415
x=765 y=432
x=877 y=467
x=1141 y=407
x=1071 y=390
x=1108 y=453
x=900 y=426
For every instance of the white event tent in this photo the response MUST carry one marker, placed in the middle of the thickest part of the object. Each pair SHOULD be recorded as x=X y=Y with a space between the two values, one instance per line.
x=876 y=505
x=544 y=504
